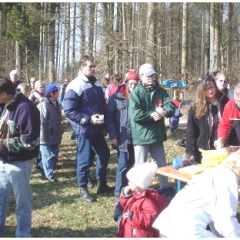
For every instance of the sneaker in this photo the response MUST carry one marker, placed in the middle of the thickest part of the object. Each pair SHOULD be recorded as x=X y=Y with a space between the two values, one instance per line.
x=104 y=188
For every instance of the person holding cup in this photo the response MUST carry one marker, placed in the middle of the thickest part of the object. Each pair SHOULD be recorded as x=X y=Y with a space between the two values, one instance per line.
x=83 y=105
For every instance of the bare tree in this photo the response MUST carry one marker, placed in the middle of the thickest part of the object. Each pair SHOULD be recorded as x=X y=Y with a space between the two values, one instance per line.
x=51 y=41
x=184 y=40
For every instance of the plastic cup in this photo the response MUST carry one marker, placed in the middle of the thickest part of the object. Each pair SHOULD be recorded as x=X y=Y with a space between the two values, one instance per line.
x=177 y=162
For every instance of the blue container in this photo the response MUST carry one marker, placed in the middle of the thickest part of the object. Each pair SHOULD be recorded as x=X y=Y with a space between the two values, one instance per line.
x=176 y=84
x=166 y=82
x=177 y=162
x=184 y=83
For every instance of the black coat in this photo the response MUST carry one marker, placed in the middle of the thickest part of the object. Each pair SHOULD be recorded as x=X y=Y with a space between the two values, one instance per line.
x=198 y=135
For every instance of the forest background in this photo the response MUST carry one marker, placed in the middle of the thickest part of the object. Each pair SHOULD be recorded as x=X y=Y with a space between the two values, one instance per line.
x=182 y=40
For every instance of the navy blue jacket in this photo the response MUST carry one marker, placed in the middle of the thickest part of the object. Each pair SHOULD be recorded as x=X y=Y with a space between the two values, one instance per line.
x=23 y=129
x=82 y=99
x=117 y=119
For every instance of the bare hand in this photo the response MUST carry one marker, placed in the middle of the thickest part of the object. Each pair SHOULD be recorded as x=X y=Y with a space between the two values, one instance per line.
x=115 y=142
x=125 y=215
x=95 y=119
x=156 y=116
x=161 y=111
x=219 y=144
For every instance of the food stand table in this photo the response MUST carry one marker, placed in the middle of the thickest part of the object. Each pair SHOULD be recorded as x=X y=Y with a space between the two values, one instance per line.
x=170 y=172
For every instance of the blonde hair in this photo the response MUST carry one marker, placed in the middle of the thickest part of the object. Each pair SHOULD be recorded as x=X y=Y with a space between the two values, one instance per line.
x=233 y=162
x=221 y=74
x=24 y=88
x=39 y=83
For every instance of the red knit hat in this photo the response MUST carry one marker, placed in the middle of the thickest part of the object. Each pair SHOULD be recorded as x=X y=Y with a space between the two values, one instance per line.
x=131 y=75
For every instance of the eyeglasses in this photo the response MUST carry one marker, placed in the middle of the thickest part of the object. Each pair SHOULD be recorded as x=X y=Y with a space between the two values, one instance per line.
x=91 y=66
x=222 y=81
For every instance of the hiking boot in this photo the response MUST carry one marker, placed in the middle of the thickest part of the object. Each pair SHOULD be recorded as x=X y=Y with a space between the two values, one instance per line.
x=90 y=183
x=104 y=188
x=84 y=194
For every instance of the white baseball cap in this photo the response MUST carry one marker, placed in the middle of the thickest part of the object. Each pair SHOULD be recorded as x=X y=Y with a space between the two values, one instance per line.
x=147 y=70
x=14 y=72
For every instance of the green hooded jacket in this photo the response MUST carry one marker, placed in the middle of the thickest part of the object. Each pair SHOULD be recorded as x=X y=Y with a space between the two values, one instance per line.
x=142 y=103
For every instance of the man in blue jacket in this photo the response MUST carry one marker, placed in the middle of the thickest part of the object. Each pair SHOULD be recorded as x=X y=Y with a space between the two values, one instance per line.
x=84 y=106
x=19 y=148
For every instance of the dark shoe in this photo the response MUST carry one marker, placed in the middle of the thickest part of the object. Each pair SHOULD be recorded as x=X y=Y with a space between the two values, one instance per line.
x=52 y=179
x=104 y=188
x=90 y=184
x=84 y=195
x=57 y=167
x=41 y=171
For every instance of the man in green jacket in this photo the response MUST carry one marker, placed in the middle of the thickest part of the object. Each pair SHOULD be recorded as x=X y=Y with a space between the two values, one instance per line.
x=149 y=104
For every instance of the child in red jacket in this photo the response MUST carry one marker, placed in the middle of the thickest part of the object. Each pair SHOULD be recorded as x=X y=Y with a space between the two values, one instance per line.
x=141 y=205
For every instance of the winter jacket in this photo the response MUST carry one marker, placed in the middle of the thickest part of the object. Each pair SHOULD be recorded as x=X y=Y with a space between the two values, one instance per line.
x=82 y=99
x=144 y=207
x=36 y=97
x=23 y=129
x=51 y=126
x=142 y=103
x=117 y=119
x=62 y=91
x=210 y=198
x=198 y=130
x=230 y=120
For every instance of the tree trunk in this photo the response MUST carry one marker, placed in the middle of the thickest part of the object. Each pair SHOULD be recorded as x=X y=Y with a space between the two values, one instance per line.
x=184 y=40
x=207 y=41
x=214 y=37
x=91 y=29
x=18 y=56
x=74 y=41
x=67 y=54
x=230 y=36
x=40 y=62
x=82 y=29
x=51 y=41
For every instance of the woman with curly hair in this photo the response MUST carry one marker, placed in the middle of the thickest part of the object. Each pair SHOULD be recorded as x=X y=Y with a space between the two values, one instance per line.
x=203 y=117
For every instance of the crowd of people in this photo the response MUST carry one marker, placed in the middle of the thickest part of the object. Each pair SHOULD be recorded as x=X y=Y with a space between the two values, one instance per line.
x=131 y=112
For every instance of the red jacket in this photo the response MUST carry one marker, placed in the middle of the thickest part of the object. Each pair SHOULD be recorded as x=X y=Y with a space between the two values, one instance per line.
x=230 y=119
x=145 y=206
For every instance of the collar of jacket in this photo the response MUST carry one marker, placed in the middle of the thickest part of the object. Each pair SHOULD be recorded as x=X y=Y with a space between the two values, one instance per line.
x=12 y=102
x=85 y=78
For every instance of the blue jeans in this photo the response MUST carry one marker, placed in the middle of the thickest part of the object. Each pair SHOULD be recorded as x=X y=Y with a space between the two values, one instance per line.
x=16 y=176
x=125 y=162
x=84 y=158
x=49 y=159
